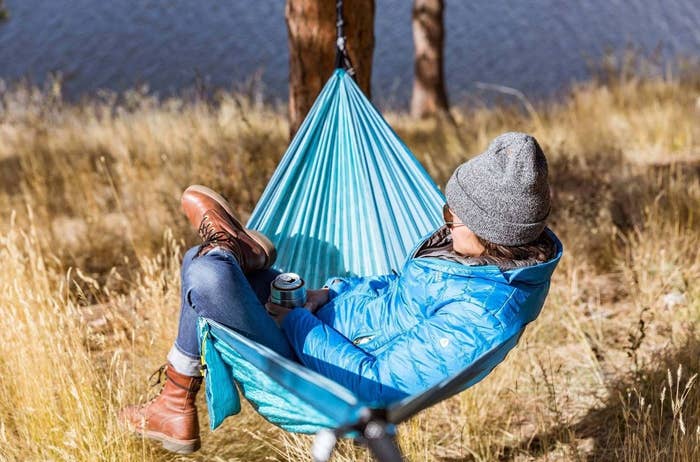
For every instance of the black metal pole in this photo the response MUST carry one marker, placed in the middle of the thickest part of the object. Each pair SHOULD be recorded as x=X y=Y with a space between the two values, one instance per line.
x=381 y=443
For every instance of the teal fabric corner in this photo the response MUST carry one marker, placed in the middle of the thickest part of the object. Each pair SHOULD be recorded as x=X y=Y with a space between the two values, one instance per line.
x=220 y=389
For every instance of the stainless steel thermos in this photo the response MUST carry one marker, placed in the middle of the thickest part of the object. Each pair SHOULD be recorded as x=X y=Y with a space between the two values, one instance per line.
x=288 y=289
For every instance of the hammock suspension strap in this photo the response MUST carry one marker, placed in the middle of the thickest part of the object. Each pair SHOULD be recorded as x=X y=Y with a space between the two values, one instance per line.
x=342 y=59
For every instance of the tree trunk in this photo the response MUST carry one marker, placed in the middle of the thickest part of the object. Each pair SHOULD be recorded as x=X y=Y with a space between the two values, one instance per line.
x=429 y=95
x=311 y=28
x=4 y=14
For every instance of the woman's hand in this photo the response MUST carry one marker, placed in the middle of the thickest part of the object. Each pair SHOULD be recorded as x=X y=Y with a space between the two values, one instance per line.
x=277 y=312
x=315 y=299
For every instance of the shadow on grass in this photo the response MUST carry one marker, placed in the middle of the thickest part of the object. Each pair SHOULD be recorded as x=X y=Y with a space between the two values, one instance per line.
x=640 y=420
x=600 y=199
x=10 y=177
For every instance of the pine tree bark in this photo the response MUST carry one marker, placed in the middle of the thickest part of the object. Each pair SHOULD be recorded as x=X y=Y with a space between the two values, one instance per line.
x=311 y=28
x=429 y=95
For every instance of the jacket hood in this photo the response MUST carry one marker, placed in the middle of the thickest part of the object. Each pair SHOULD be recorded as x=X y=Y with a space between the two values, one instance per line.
x=534 y=274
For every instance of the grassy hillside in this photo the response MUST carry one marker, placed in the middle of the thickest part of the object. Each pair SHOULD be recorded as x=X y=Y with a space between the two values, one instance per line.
x=91 y=238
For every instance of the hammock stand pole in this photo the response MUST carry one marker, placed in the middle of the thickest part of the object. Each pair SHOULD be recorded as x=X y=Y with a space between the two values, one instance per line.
x=373 y=430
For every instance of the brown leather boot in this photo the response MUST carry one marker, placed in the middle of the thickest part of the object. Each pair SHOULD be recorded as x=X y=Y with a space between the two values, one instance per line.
x=171 y=417
x=218 y=226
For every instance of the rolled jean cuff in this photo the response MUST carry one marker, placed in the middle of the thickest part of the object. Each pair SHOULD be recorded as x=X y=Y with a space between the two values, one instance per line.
x=183 y=363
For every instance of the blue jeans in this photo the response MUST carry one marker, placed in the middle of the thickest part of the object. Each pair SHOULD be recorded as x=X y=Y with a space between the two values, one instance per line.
x=214 y=286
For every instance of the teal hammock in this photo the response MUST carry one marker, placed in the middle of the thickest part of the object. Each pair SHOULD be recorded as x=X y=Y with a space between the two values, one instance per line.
x=348 y=198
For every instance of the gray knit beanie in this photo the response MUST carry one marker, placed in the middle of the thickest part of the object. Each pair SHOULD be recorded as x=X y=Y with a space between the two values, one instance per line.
x=502 y=195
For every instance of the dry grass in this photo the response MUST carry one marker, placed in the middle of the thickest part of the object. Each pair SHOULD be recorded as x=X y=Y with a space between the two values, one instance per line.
x=91 y=238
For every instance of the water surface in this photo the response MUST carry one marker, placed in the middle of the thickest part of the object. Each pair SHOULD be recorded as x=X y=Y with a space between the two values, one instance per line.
x=536 y=46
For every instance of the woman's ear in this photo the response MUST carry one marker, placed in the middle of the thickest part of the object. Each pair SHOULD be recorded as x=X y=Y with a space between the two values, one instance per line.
x=466 y=243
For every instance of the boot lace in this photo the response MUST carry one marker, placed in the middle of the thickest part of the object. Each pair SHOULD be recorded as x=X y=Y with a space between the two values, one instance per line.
x=157 y=376
x=156 y=379
x=212 y=237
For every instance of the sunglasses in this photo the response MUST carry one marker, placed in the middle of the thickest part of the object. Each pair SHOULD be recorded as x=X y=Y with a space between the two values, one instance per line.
x=448 y=216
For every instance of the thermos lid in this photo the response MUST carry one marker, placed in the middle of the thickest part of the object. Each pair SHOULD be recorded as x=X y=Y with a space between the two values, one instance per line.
x=288 y=281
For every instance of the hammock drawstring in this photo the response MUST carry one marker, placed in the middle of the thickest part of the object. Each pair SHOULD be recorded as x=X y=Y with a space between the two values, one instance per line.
x=342 y=59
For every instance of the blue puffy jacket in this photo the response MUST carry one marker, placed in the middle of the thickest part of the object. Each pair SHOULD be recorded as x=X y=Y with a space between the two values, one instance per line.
x=391 y=336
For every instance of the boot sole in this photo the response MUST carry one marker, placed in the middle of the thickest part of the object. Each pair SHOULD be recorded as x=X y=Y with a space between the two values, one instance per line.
x=168 y=443
x=171 y=444
x=262 y=240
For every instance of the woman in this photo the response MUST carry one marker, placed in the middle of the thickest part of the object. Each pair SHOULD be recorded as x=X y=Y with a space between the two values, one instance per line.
x=464 y=289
